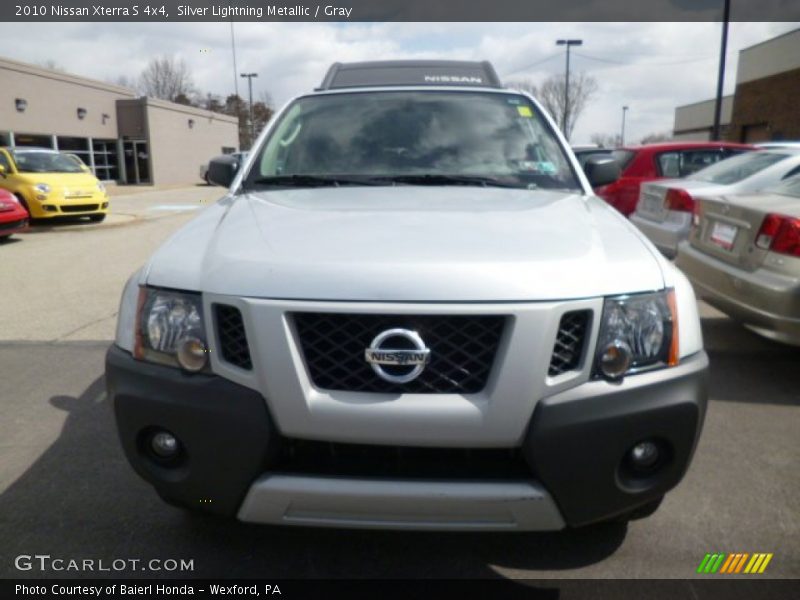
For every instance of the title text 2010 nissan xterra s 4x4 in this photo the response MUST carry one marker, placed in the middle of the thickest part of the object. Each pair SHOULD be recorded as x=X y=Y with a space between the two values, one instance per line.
x=410 y=311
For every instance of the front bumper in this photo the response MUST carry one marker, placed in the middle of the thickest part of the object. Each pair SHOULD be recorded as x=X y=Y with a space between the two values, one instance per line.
x=53 y=207
x=17 y=225
x=574 y=448
x=665 y=235
x=764 y=301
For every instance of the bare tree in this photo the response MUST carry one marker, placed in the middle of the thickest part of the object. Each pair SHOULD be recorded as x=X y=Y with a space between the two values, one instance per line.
x=656 y=137
x=167 y=78
x=582 y=88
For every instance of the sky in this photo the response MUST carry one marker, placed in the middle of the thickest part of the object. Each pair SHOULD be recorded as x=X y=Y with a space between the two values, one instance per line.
x=649 y=67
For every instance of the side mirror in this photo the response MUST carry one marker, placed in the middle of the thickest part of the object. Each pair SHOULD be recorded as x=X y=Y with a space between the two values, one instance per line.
x=222 y=171
x=601 y=170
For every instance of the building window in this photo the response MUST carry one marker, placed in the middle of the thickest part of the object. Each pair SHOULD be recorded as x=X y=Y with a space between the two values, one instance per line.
x=106 y=160
x=75 y=145
x=30 y=139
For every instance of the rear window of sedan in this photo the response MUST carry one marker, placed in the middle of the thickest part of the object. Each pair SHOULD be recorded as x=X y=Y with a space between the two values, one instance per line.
x=738 y=168
x=681 y=163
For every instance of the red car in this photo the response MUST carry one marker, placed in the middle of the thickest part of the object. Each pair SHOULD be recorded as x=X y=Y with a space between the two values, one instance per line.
x=13 y=216
x=656 y=161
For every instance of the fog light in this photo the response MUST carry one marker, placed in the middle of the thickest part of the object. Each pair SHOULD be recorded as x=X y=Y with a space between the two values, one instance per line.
x=164 y=444
x=192 y=354
x=615 y=360
x=644 y=455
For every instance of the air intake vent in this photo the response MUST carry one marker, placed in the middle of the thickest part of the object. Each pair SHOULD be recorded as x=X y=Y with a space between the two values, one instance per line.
x=570 y=341
x=232 y=336
x=462 y=351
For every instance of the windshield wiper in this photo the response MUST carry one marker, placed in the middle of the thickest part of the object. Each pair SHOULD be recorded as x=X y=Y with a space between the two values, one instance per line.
x=314 y=180
x=441 y=179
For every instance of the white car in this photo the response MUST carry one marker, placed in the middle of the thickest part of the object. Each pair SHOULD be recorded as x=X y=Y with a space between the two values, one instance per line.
x=665 y=208
x=410 y=311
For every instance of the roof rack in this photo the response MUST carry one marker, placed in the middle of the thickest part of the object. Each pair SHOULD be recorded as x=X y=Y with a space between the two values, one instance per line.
x=410 y=72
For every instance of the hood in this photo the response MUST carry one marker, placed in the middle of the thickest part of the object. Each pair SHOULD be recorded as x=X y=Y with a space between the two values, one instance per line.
x=70 y=181
x=409 y=243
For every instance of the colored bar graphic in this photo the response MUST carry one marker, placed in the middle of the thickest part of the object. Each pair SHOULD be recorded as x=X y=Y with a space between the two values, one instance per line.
x=737 y=562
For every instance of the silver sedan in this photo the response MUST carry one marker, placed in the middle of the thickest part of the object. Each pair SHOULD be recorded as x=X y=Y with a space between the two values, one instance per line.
x=665 y=207
x=743 y=256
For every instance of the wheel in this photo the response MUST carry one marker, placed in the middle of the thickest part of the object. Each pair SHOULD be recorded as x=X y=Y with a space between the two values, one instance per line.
x=97 y=218
x=4 y=237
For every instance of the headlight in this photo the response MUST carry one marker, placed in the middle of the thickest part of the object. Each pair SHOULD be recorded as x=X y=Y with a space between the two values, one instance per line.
x=169 y=329
x=101 y=187
x=42 y=188
x=636 y=333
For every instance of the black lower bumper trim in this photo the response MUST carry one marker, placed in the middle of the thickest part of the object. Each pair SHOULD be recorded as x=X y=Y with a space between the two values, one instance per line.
x=224 y=428
x=577 y=441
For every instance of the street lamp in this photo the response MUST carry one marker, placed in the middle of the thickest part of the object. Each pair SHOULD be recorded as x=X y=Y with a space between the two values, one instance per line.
x=622 y=134
x=565 y=117
x=250 y=89
x=726 y=14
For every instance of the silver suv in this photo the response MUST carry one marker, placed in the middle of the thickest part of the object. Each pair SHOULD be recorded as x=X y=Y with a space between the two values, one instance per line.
x=410 y=311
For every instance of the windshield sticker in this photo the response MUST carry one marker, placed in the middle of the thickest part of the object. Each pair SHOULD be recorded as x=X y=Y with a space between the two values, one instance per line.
x=525 y=111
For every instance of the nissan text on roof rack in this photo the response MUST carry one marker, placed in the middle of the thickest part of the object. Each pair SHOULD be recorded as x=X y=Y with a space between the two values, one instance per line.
x=409 y=311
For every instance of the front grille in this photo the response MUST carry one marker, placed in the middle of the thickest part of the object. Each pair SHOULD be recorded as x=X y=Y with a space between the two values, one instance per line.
x=570 y=340
x=396 y=462
x=70 y=208
x=462 y=351
x=232 y=336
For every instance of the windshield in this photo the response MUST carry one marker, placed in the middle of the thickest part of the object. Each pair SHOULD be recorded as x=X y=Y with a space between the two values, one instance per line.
x=413 y=137
x=46 y=162
x=737 y=168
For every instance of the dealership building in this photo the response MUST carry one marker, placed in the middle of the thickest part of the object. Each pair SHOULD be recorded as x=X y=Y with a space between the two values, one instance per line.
x=764 y=104
x=122 y=137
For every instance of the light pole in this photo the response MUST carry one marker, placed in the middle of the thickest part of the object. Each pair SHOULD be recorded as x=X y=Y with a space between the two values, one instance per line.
x=233 y=49
x=565 y=117
x=622 y=134
x=726 y=14
x=250 y=90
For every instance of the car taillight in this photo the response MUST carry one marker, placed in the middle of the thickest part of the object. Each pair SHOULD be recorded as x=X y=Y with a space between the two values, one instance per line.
x=780 y=234
x=679 y=200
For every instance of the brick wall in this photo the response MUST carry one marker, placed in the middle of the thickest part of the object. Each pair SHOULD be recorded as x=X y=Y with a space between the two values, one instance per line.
x=767 y=109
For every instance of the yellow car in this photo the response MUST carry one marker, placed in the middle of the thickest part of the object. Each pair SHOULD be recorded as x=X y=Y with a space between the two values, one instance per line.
x=52 y=184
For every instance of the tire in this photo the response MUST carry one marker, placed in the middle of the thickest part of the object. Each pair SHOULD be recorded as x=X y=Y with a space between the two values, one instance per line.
x=97 y=218
x=4 y=237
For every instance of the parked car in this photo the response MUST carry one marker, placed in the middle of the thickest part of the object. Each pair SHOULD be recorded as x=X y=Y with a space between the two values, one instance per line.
x=656 y=161
x=743 y=256
x=584 y=152
x=236 y=157
x=664 y=212
x=410 y=311
x=13 y=216
x=51 y=184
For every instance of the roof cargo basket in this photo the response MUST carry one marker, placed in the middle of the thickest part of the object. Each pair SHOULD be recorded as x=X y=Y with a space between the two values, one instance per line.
x=410 y=72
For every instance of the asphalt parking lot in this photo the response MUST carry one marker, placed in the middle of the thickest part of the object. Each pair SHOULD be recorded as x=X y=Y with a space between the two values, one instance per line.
x=67 y=491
